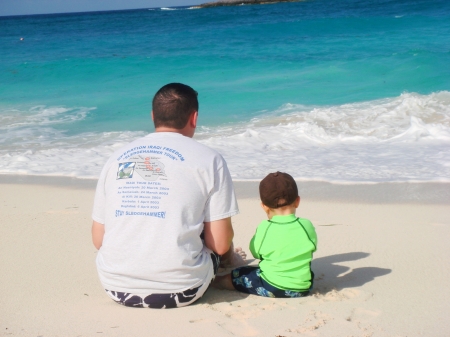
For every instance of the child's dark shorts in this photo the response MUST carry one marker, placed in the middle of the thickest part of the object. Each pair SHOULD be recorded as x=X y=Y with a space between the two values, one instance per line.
x=248 y=280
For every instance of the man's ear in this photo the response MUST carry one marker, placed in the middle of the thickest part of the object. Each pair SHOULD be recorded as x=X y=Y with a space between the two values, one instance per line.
x=153 y=118
x=193 y=119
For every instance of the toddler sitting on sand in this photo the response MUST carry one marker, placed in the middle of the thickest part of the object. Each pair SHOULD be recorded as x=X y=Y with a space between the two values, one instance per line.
x=284 y=244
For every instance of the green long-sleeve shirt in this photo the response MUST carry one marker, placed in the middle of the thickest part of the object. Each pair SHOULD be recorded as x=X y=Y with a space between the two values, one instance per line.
x=285 y=246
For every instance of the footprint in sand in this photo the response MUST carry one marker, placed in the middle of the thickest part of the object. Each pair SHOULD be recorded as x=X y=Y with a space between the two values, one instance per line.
x=237 y=320
x=363 y=318
x=314 y=321
x=336 y=295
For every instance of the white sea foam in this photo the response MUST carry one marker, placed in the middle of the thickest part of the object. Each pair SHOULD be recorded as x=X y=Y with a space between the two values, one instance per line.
x=41 y=116
x=406 y=138
x=168 y=9
x=374 y=120
x=398 y=139
x=31 y=144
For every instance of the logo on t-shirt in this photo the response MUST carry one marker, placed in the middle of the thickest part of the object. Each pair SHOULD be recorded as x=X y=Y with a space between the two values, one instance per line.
x=149 y=168
x=126 y=170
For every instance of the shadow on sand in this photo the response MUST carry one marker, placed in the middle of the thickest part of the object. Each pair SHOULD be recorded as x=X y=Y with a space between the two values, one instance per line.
x=328 y=272
x=214 y=296
x=327 y=277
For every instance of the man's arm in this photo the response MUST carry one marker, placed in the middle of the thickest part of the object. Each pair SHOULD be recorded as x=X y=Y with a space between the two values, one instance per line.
x=219 y=235
x=98 y=231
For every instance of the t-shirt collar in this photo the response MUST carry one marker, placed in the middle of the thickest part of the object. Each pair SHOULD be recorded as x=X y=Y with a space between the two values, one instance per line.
x=165 y=134
x=284 y=218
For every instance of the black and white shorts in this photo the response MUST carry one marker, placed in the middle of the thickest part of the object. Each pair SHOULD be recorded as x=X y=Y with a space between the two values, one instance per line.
x=165 y=301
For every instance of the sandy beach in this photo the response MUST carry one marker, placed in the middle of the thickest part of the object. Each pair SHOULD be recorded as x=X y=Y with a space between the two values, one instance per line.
x=351 y=98
x=382 y=267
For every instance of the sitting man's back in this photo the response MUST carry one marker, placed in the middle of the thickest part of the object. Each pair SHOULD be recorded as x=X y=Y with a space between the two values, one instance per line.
x=154 y=199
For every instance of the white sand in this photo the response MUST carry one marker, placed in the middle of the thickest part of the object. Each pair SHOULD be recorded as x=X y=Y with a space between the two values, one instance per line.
x=382 y=269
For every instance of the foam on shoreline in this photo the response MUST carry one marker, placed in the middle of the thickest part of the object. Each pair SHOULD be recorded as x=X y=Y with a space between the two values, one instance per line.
x=399 y=139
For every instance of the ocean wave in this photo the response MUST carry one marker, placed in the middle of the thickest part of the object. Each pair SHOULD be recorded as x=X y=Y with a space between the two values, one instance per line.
x=41 y=115
x=49 y=152
x=404 y=138
x=410 y=117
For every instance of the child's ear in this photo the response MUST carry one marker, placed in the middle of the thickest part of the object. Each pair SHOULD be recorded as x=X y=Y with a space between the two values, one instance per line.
x=297 y=202
x=265 y=208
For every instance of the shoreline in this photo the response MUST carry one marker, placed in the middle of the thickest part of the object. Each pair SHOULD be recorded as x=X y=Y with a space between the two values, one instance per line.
x=437 y=193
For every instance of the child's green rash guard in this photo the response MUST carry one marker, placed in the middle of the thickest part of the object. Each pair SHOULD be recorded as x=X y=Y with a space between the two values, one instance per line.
x=285 y=246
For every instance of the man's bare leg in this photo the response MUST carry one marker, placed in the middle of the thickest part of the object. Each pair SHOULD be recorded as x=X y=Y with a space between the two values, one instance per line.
x=223 y=282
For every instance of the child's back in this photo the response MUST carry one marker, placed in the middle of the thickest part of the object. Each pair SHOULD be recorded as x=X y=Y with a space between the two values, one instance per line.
x=285 y=244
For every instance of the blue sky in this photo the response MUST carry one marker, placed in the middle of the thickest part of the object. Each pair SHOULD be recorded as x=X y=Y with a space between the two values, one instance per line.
x=25 y=7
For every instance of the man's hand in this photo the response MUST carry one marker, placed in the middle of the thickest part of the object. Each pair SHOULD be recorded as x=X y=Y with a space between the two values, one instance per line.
x=98 y=231
x=219 y=235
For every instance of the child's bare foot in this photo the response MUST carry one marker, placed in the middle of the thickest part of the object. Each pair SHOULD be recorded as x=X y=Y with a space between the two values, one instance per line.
x=234 y=258
x=240 y=254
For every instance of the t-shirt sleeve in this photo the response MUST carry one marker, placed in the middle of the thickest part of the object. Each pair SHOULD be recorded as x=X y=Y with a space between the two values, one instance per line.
x=222 y=202
x=98 y=212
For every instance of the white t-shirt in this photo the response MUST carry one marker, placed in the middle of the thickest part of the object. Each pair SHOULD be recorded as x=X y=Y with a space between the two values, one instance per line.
x=153 y=196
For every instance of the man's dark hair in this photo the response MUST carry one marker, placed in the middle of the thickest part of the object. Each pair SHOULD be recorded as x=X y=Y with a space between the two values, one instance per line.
x=173 y=104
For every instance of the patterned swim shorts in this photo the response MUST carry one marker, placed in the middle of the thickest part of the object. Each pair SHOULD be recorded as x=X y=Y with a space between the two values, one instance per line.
x=165 y=301
x=248 y=280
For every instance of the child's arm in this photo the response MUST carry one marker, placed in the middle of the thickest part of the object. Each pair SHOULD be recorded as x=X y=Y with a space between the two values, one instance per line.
x=253 y=248
x=308 y=226
x=256 y=241
x=314 y=236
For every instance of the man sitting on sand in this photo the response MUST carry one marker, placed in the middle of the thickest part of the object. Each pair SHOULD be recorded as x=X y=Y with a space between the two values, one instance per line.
x=162 y=211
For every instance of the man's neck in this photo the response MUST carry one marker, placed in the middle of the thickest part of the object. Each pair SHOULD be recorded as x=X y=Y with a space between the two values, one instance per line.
x=185 y=132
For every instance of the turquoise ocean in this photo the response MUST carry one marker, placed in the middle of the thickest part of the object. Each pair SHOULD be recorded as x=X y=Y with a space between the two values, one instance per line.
x=339 y=91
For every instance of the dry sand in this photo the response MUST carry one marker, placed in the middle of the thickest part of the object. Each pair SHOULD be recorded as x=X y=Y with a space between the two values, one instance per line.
x=382 y=267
